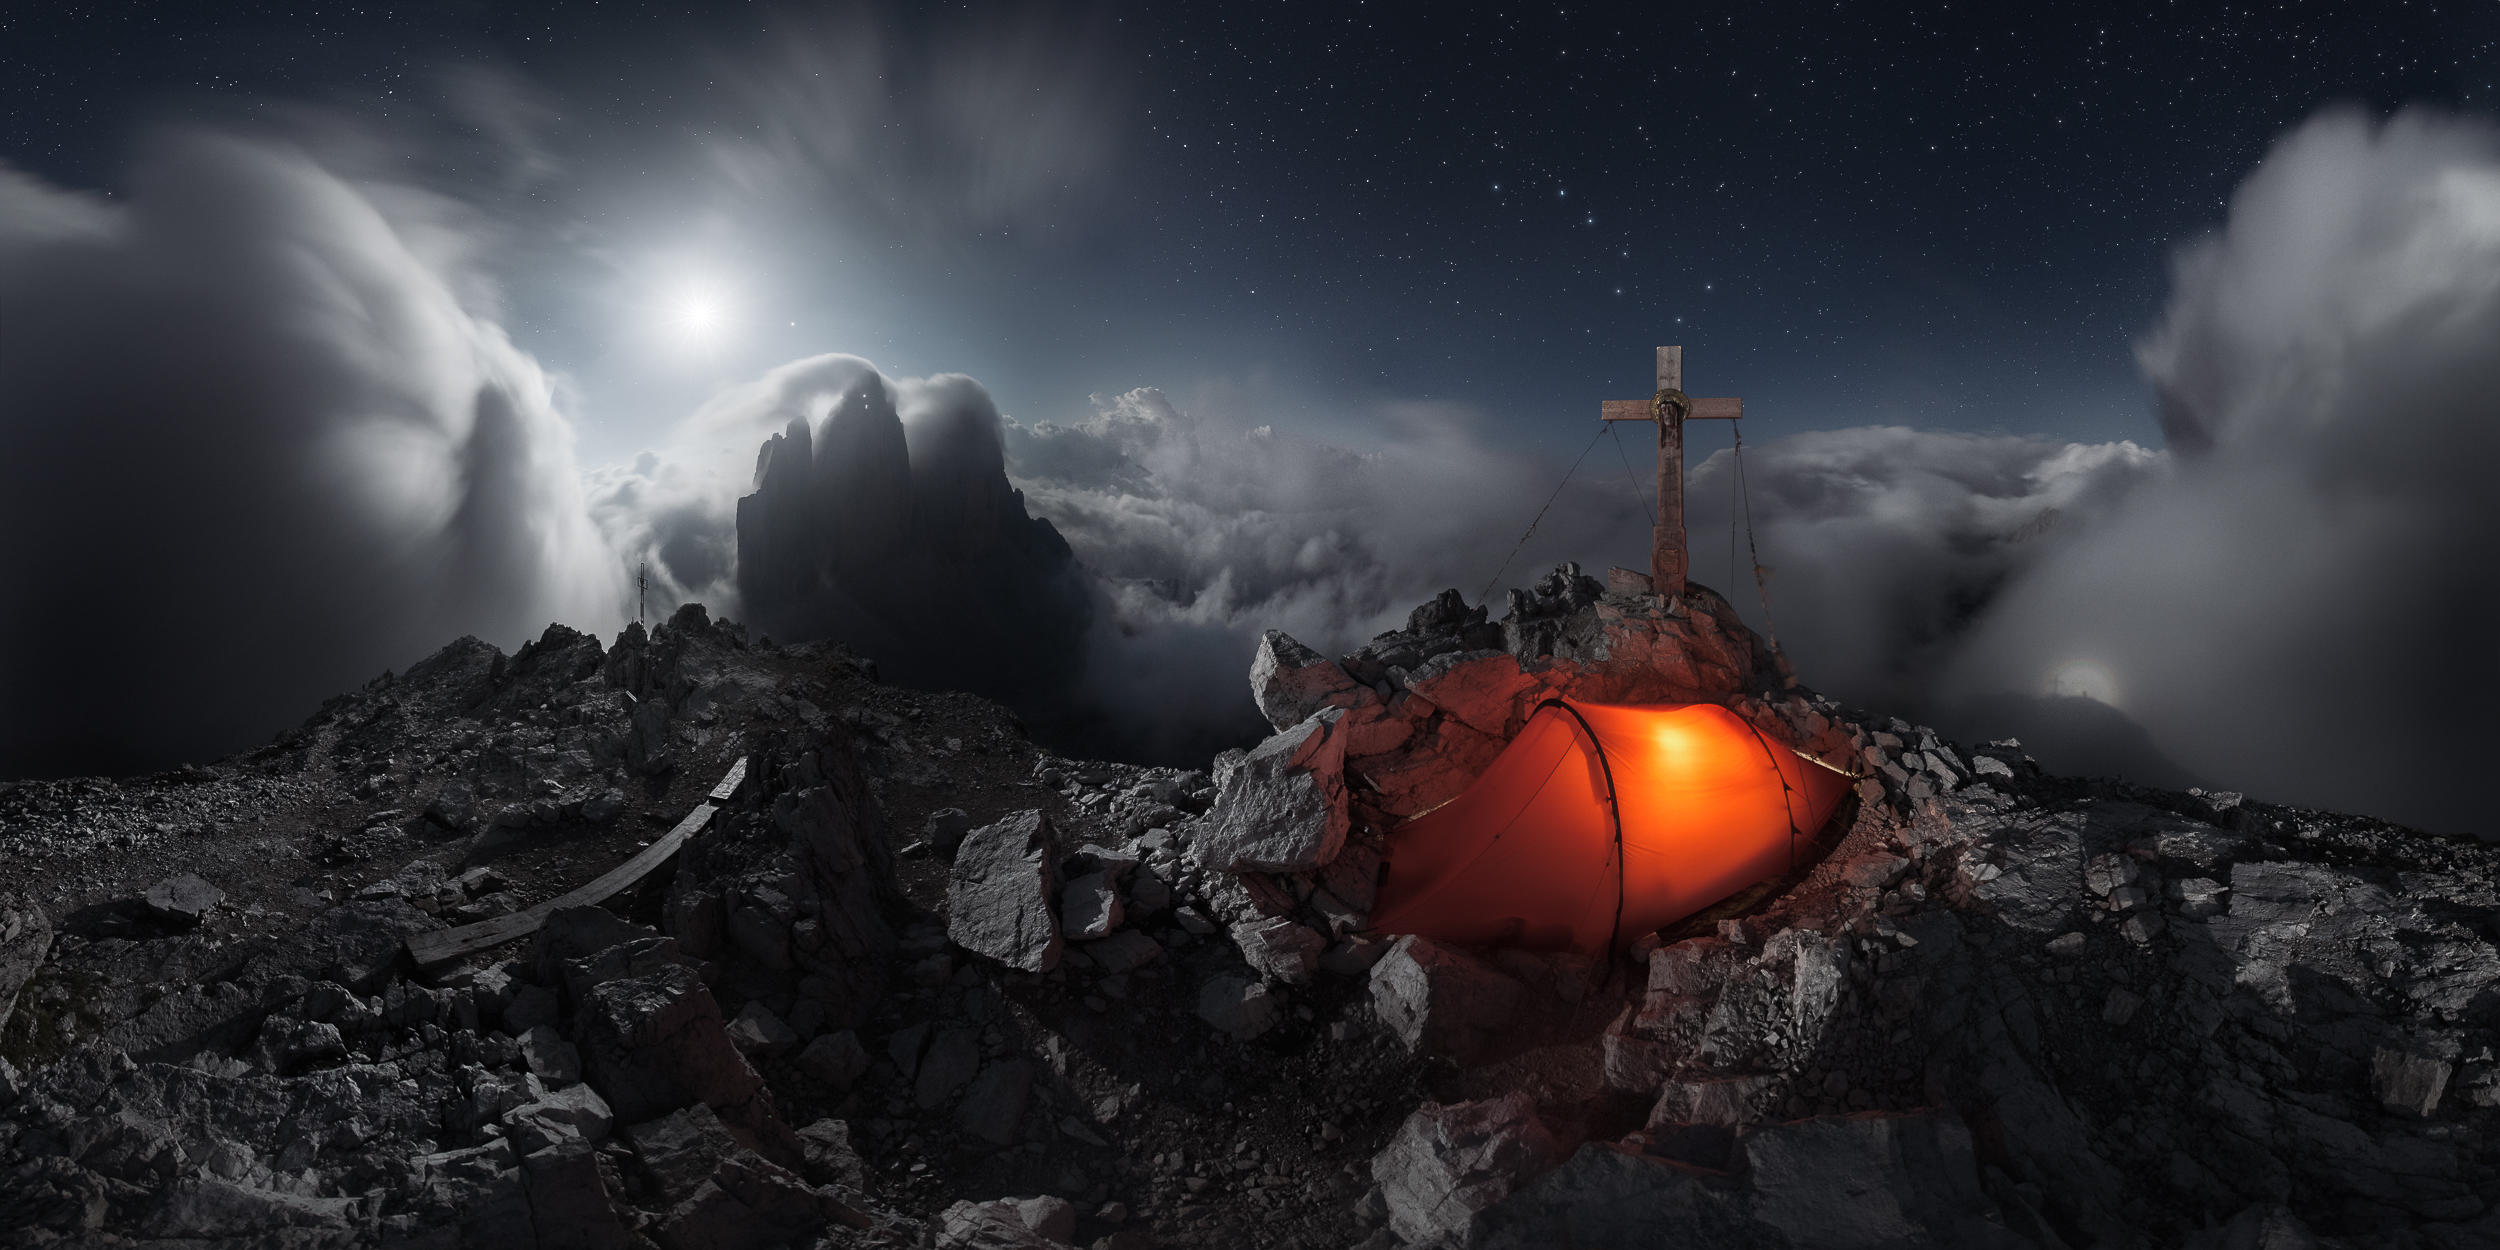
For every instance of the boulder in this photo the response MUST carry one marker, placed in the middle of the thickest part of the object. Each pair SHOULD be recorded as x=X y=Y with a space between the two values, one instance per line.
x=750 y=1204
x=1280 y=949
x=1007 y=1224
x=180 y=900
x=1283 y=807
x=1239 y=1006
x=25 y=938
x=2407 y=1083
x=1448 y=1162
x=1089 y=907
x=570 y=1206
x=678 y=1151
x=1440 y=999
x=1290 y=682
x=1125 y=951
x=574 y=1114
x=757 y=1031
x=1483 y=689
x=837 y=1059
x=993 y=1108
x=1000 y=895
x=656 y=1043
x=550 y=1057
x=954 y=1056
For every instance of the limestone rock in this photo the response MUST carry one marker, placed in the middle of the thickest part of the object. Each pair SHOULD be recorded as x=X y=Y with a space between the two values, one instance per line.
x=757 y=1031
x=1000 y=896
x=25 y=938
x=1448 y=1162
x=1239 y=1006
x=1280 y=948
x=1089 y=907
x=1439 y=999
x=1290 y=681
x=180 y=900
x=993 y=1108
x=656 y=1043
x=837 y=1059
x=1283 y=808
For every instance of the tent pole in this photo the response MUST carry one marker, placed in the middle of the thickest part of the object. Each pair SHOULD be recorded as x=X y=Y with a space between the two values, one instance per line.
x=1614 y=808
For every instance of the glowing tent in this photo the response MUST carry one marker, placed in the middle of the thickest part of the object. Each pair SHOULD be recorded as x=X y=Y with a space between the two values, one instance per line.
x=1601 y=822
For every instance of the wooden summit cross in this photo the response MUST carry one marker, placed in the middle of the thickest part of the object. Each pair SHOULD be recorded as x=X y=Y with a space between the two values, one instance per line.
x=1670 y=408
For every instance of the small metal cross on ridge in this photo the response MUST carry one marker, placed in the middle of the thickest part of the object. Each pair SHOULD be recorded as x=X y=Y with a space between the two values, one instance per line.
x=1670 y=408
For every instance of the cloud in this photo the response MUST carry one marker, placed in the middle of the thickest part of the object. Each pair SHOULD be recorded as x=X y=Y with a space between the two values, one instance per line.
x=2305 y=609
x=259 y=450
x=941 y=125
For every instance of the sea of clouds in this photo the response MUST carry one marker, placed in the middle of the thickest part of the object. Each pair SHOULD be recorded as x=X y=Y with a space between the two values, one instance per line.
x=266 y=437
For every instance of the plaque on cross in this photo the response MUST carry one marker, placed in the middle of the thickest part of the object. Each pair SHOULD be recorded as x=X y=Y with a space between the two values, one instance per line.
x=1669 y=409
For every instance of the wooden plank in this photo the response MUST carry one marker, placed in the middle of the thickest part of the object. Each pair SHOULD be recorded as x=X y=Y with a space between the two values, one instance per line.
x=1624 y=410
x=1724 y=408
x=442 y=946
x=728 y=787
x=1670 y=368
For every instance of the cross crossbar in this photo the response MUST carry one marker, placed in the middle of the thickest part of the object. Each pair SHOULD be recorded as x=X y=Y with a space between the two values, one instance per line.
x=1668 y=559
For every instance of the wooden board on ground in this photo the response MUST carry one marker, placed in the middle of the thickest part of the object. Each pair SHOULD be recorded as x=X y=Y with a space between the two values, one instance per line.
x=431 y=950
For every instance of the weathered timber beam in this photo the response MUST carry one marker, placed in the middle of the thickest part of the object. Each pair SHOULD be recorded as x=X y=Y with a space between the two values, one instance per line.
x=432 y=950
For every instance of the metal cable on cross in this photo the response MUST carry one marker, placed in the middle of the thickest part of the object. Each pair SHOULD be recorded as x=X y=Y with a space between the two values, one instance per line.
x=1540 y=514
x=1642 y=495
x=1761 y=580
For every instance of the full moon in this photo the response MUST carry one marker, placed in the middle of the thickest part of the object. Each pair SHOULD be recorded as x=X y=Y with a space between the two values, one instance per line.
x=700 y=317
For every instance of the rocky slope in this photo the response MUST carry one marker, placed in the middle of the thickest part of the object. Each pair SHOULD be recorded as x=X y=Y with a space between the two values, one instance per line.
x=922 y=983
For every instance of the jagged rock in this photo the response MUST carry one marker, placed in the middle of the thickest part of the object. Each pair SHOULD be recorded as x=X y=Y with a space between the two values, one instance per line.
x=1448 y=1162
x=573 y=1114
x=647 y=748
x=837 y=1059
x=476 y=1192
x=180 y=900
x=750 y=1204
x=1483 y=689
x=1007 y=1224
x=25 y=938
x=757 y=1031
x=570 y=1206
x=993 y=1108
x=1283 y=807
x=1125 y=951
x=1280 y=948
x=1436 y=998
x=1867 y=1180
x=359 y=944
x=454 y=807
x=1090 y=907
x=2407 y=1083
x=655 y=1043
x=550 y=1057
x=1239 y=1006
x=827 y=1144
x=679 y=1151
x=1149 y=895
x=288 y=1046
x=954 y=1056
x=1290 y=682
x=999 y=894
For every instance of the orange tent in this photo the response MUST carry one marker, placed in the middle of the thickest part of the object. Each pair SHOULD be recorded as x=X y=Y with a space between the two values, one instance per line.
x=1601 y=822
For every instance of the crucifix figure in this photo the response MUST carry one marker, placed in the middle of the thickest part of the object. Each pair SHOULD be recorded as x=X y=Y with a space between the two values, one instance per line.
x=1670 y=408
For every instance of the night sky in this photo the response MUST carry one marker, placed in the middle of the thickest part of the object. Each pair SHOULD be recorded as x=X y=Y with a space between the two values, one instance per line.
x=2119 y=379
x=1945 y=216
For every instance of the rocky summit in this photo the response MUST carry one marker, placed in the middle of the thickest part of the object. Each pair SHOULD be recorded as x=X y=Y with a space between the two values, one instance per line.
x=911 y=981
